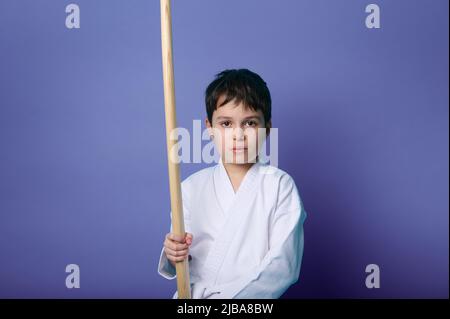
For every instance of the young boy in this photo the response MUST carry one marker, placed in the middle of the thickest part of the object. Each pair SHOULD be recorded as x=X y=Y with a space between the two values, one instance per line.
x=243 y=219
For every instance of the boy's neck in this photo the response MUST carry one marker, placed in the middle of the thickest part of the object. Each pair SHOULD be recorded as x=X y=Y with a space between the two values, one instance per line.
x=236 y=173
x=237 y=170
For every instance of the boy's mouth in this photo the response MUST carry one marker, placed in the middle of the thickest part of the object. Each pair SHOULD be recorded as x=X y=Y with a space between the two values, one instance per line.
x=239 y=149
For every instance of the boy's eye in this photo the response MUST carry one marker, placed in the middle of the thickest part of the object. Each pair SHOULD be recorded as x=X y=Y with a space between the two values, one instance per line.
x=226 y=124
x=251 y=123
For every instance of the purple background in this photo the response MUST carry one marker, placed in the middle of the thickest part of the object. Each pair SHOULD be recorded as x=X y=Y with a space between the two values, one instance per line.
x=363 y=129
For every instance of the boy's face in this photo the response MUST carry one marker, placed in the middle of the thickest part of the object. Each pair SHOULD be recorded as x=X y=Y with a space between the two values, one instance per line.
x=237 y=132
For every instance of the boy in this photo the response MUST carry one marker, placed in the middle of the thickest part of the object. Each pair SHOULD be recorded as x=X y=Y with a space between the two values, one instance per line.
x=243 y=219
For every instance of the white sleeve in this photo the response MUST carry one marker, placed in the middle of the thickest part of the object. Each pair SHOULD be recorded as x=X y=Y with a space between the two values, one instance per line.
x=280 y=268
x=165 y=268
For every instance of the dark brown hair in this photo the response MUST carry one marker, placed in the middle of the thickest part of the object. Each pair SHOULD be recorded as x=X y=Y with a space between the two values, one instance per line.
x=242 y=85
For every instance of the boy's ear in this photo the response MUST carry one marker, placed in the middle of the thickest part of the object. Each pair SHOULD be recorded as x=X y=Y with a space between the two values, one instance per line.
x=268 y=127
x=208 y=126
x=207 y=123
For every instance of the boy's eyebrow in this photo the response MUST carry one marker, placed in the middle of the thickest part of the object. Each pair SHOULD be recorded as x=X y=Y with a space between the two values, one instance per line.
x=251 y=117
x=230 y=118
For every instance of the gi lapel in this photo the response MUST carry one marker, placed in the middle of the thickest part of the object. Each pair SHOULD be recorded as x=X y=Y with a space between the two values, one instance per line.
x=236 y=211
x=223 y=189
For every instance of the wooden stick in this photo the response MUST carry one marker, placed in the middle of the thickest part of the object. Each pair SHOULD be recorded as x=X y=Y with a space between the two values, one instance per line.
x=182 y=268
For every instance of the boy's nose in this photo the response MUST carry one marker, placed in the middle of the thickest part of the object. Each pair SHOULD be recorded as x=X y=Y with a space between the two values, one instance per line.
x=238 y=134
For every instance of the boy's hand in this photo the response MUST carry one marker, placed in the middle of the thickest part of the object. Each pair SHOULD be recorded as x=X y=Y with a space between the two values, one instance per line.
x=176 y=247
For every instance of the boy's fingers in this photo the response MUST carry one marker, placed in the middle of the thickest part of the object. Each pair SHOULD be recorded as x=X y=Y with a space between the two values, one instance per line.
x=174 y=246
x=175 y=237
x=189 y=238
x=176 y=253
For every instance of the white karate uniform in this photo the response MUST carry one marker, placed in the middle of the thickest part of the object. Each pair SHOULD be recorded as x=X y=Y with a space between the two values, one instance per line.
x=247 y=244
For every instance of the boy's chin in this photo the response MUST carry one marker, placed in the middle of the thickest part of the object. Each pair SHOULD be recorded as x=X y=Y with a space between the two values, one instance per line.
x=239 y=159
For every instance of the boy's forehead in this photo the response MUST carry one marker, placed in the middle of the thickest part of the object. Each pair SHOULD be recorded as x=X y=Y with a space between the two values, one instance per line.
x=234 y=109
